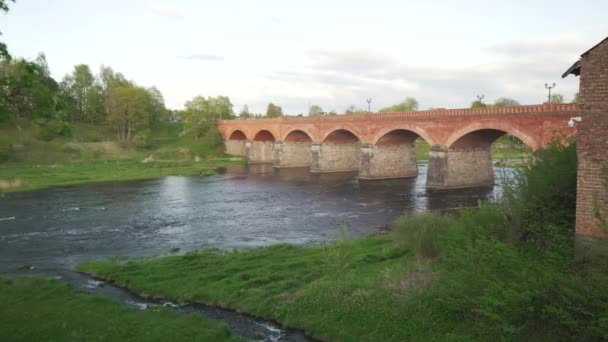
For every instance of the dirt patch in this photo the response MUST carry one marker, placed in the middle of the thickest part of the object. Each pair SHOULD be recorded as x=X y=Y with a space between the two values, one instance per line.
x=6 y=184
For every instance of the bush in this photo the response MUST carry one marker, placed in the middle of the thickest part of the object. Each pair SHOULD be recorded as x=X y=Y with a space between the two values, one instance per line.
x=7 y=152
x=542 y=196
x=52 y=129
x=142 y=139
x=422 y=233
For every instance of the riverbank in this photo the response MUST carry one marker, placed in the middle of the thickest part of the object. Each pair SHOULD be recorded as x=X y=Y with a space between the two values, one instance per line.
x=37 y=309
x=25 y=177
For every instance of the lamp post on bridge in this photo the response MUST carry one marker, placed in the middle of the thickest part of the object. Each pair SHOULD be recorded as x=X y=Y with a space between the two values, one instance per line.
x=369 y=105
x=549 y=87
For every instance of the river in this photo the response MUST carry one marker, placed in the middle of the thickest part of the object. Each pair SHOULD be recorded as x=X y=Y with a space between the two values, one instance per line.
x=242 y=206
x=52 y=230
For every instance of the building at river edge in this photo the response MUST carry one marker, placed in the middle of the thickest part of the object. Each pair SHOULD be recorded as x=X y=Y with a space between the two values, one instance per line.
x=592 y=149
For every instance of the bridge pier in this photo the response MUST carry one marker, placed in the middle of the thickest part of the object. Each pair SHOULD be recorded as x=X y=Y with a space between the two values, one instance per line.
x=334 y=157
x=459 y=168
x=260 y=152
x=291 y=154
x=235 y=147
x=382 y=162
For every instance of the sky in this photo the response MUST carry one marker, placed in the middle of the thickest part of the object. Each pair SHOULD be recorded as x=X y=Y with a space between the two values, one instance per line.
x=329 y=53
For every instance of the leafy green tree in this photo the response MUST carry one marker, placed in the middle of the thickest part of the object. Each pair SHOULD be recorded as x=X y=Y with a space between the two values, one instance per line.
x=505 y=102
x=410 y=104
x=315 y=110
x=478 y=104
x=557 y=98
x=156 y=106
x=273 y=111
x=79 y=85
x=200 y=114
x=28 y=91
x=244 y=113
x=3 y=48
x=128 y=111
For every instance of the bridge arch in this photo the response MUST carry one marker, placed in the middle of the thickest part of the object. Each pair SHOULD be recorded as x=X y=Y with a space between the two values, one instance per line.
x=412 y=129
x=264 y=135
x=238 y=131
x=487 y=133
x=341 y=136
x=237 y=134
x=297 y=135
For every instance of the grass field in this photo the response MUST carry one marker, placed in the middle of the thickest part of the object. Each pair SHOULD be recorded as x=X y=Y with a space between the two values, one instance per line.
x=35 y=309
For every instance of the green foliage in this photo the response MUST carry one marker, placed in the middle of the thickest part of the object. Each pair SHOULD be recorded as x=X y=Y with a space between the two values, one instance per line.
x=7 y=152
x=422 y=233
x=542 y=196
x=50 y=130
x=505 y=101
x=142 y=138
x=36 y=309
x=273 y=111
x=410 y=104
x=478 y=104
x=315 y=110
x=557 y=98
x=200 y=114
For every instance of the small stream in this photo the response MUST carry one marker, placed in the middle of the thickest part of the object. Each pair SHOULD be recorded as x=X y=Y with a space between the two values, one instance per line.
x=242 y=325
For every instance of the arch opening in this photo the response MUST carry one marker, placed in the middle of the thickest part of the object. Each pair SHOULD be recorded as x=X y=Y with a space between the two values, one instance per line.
x=397 y=137
x=501 y=143
x=237 y=135
x=264 y=136
x=341 y=137
x=297 y=136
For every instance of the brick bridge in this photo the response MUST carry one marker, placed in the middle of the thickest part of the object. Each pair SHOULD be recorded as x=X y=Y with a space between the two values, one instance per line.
x=380 y=145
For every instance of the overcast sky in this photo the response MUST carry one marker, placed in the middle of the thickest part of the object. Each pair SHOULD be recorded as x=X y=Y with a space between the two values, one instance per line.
x=333 y=54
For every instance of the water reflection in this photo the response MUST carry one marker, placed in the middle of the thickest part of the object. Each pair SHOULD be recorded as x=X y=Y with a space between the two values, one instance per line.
x=242 y=206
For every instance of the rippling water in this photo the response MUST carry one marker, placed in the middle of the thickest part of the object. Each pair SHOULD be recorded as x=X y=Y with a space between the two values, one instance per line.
x=240 y=207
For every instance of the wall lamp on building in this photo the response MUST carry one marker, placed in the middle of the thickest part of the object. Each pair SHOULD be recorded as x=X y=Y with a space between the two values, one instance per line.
x=573 y=120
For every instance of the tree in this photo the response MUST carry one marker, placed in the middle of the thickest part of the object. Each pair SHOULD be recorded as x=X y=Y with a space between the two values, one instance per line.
x=505 y=102
x=478 y=104
x=244 y=113
x=79 y=85
x=128 y=111
x=410 y=104
x=273 y=111
x=156 y=106
x=28 y=91
x=557 y=98
x=577 y=98
x=315 y=110
x=3 y=48
x=200 y=114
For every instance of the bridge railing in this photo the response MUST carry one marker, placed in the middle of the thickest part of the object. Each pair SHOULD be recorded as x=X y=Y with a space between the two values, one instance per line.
x=528 y=109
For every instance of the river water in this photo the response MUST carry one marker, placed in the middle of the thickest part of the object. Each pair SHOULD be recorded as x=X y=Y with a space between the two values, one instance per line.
x=243 y=206
x=52 y=230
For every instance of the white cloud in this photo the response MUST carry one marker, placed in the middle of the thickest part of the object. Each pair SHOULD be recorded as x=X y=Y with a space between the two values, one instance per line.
x=165 y=10
x=204 y=57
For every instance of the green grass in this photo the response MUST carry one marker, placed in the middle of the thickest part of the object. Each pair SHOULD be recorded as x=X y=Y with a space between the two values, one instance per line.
x=357 y=290
x=32 y=176
x=36 y=309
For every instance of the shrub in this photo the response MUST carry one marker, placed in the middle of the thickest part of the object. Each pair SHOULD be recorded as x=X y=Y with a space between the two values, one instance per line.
x=142 y=139
x=7 y=152
x=422 y=233
x=540 y=200
x=52 y=129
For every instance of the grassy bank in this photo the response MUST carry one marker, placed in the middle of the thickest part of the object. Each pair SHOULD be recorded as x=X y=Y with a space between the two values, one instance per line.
x=22 y=177
x=49 y=310
x=503 y=271
x=429 y=285
x=89 y=154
